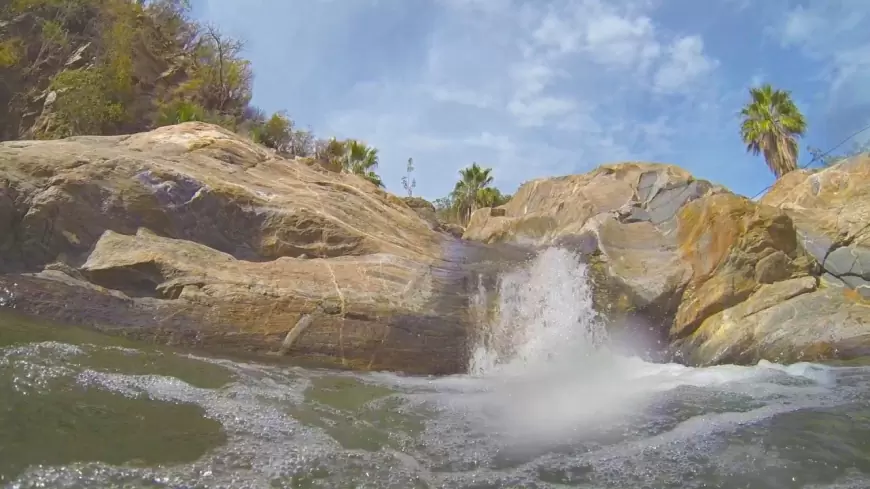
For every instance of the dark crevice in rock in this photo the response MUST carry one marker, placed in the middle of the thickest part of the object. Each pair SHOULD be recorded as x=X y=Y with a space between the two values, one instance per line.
x=139 y=280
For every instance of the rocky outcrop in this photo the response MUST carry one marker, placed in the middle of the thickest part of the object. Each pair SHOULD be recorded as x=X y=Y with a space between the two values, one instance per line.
x=426 y=210
x=791 y=320
x=717 y=277
x=191 y=235
x=831 y=210
x=623 y=217
x=733 y=247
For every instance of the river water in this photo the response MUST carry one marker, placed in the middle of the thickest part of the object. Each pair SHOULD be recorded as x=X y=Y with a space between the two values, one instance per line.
x=548 y=403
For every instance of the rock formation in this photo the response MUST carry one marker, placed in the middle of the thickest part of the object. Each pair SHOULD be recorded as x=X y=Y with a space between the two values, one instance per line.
x=191 y=235
x=717 y=277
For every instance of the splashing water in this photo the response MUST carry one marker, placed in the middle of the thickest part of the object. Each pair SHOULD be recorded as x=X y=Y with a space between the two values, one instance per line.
x=544 y=315
x=7 y=297
x=542 y=371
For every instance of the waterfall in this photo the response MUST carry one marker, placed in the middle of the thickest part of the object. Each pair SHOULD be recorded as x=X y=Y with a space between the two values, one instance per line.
x=542 y=315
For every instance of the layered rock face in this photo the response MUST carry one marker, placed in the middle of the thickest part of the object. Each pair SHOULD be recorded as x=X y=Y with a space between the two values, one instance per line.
x=710 y=276
x=191 y=235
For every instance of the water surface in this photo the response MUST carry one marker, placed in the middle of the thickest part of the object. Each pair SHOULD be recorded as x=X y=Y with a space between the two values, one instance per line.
x=547 y=405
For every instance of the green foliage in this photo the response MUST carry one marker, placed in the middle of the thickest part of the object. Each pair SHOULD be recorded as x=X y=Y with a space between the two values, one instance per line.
x=771 y=125
x=23 y=6
x=491 y=197
x=140 y=64
x=274 y=133
x=178 y=111
x=118 y=36
x=470 y=188
x=360 y=159
x=84 y=107
x=474 y=190
x=10 y=52
x=280 y=134
x=150 y=63
x=54 y=34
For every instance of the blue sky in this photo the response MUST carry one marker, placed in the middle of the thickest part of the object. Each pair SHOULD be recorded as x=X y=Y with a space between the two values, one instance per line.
x=543 y=88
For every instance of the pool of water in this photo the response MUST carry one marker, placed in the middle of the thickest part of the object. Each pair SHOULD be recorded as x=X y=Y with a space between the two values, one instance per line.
x=546 y=405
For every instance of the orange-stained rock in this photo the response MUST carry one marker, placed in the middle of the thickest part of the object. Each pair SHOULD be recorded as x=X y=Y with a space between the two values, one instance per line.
x=729 y=241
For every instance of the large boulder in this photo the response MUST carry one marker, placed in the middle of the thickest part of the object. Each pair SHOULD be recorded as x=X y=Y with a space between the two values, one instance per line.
x=190 y=234
x=712 y=273
x=733 y=246
x=831 y=210
x=822 y=316
x=623 y=218
x=789 y=321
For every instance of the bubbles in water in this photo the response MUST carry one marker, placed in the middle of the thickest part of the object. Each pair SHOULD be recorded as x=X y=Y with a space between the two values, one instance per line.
x=548 y=403
x=7 y=296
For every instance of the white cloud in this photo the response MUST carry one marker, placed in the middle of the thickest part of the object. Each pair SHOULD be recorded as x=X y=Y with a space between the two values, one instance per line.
x=685 y=64
x=799 y=26
x=835 y=34
x=460 y=96
x=530 y=87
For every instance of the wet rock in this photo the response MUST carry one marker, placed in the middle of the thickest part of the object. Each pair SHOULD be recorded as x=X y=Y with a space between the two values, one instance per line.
x=625 y=215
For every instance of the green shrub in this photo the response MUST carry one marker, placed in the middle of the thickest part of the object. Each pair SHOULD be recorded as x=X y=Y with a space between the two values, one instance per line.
x=83 y=105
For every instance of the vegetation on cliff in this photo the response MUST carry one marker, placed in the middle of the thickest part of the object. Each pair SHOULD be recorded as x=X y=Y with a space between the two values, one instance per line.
x=105 y=67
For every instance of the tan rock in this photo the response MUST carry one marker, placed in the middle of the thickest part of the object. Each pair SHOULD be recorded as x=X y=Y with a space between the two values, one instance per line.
x=831 y=209
x=724 y=238
x=199 y=182
x=545 y=209
x=623 y=213
x=193 y=221
x=668 y=249
x=642 y=263
x=785 y=322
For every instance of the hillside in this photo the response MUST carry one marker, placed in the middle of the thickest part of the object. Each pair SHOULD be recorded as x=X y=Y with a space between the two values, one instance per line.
x=106 y=67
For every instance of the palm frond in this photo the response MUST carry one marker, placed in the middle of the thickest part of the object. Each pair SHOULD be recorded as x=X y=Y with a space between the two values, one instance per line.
x=771 y=125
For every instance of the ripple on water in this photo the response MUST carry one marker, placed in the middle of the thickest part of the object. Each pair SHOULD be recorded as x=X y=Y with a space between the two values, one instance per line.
x=555 y=418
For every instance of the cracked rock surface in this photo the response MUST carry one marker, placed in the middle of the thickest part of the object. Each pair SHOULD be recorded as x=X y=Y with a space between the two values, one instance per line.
x=191 y=235
x=715 y=276
x=831 y=210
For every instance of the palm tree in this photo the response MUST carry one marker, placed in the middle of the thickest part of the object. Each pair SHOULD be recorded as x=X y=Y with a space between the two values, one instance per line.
x=471 y=181
x=362 y=160
x=771 y=125
x=352 y=156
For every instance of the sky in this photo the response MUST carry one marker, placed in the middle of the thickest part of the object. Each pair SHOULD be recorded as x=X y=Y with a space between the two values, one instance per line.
x=544 y=88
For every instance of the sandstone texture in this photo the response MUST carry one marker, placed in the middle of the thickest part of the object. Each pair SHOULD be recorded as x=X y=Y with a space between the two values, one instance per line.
x=831 y=211
x=684 y=265
x=191 y=235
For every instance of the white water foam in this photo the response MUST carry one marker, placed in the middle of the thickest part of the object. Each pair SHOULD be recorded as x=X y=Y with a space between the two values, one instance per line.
x=544 y=315
x=546 y=394
x=543 y=369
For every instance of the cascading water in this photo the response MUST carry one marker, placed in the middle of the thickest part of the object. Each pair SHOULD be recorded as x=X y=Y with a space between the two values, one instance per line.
x=544 y=314
x=547 y=404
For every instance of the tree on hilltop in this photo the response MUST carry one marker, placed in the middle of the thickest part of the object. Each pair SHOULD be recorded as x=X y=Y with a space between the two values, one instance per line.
x=771 y=125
